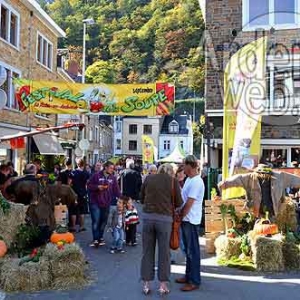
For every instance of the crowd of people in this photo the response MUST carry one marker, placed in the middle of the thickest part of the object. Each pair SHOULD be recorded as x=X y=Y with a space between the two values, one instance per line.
x=110 y=194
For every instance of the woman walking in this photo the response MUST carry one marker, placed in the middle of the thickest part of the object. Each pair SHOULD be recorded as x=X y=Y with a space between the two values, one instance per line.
x=156 y=197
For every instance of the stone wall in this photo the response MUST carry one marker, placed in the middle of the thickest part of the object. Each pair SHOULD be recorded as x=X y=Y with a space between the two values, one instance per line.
x=24 y=59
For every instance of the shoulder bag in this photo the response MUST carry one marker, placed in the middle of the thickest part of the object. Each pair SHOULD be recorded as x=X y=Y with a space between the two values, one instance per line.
x=175 y=233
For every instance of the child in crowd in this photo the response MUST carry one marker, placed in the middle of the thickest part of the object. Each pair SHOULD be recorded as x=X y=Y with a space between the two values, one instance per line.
x=116 y=226
x=131 y=221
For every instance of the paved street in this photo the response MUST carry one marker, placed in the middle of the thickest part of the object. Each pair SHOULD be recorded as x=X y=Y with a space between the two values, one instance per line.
x=117 y=277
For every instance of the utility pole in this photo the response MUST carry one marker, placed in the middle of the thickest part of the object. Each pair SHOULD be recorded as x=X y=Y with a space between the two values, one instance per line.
x=194 y=107
x=209 y=128
x=85 y=23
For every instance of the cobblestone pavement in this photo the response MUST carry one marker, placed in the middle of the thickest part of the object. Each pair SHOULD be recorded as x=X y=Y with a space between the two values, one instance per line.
x=116 y=276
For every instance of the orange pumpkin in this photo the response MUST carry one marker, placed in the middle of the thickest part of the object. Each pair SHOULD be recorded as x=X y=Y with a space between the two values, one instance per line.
x=62 y=235
x=3 y=248
x=67 y=237
x=265 y=227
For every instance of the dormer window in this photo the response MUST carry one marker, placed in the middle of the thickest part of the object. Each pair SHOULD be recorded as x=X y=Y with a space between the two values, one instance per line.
x=174 y=127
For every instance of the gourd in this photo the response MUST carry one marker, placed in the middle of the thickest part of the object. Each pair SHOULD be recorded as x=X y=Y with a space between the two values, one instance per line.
x=62 y=235
x=265 y=227
x=3 y=248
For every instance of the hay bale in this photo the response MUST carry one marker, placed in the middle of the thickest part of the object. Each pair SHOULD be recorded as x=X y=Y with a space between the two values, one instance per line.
x=27 y=277
x=291 y=255
x=10 y=222
x=66 y=262
x=2 y=261
x=68 y=266
x=68 y=283
x=287 y=217
x=267 y=253
x=227 y=247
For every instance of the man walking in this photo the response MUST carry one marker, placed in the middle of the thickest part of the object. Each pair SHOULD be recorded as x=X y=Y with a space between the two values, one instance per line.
x=192 y=195
x=103 y=189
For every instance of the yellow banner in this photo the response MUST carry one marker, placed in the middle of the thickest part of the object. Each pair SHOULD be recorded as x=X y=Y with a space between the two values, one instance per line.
x=112 y=99
x=148 y=150
x=244 y=93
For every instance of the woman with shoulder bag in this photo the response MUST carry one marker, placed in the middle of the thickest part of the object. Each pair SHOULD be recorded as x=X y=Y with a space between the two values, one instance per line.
x=160 y=196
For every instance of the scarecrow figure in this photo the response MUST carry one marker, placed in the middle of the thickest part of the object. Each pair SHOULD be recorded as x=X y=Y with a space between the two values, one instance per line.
x=264 y=188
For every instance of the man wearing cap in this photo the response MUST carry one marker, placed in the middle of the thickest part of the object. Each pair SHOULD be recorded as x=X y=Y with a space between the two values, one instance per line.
x=192 y=195
x=264 y=188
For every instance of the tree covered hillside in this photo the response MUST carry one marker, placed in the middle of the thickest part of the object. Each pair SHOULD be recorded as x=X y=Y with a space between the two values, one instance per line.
x=136 y=40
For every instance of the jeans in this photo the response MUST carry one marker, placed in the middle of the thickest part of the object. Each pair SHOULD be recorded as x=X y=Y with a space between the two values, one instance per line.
x=160 y=232
x=118 y=238
x=190 y=237
x=99 y=217
x=181 y=244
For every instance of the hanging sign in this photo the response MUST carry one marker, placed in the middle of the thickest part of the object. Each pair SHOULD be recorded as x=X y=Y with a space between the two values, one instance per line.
x=116 y=99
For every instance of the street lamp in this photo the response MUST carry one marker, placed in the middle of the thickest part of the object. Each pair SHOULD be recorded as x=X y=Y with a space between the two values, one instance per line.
x=85 y=23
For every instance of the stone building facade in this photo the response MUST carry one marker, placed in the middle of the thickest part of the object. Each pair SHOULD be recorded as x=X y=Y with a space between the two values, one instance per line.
x=132 y=130
x=28 y=43
x=230 y=24
x=99 y=133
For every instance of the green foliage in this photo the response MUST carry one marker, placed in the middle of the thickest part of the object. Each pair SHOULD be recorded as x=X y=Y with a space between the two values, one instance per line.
x=34 y=256
x=100 y=71
x=246 y=223
x=25 y=239
x=246 y=245
x=4 y=204
x=223 y=210
x=235 y=262
x=213 y=193
x=139 y=40
x=232 y=213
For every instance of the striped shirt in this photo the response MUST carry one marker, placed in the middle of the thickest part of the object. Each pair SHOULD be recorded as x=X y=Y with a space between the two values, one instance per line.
x=131 y=216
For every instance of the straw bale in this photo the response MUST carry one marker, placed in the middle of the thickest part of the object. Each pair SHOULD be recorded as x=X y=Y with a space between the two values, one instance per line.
x=227 y=247
x=67 y=262
x=287 y=217
x=27 y=277
x=267 y=253
x=68 y=283
x=291 y=255
x=2 y=261
x=9 y=222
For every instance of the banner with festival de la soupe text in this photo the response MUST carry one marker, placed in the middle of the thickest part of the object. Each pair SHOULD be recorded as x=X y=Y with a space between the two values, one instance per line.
x=48 y=97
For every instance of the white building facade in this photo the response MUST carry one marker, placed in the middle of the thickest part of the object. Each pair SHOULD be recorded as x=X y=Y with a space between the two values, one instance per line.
x=132 y=130
x=175 y=131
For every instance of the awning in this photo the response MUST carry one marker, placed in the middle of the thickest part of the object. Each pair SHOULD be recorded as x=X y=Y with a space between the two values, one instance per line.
x=5 y=132
x=48 y=144
x=41 y=130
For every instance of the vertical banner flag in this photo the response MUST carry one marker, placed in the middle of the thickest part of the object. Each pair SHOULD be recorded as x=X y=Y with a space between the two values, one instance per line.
x=244 y=96
x=147 y=150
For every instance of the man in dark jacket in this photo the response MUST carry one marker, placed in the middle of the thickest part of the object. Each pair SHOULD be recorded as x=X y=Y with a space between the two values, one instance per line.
x=79 y=178
x=64 y=175
x=131 y=182
x=103 y=187
x=25 y=189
